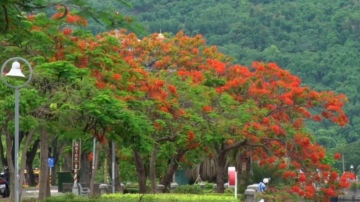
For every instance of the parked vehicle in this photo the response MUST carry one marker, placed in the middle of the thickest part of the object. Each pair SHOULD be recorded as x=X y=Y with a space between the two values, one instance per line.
x=4 y=183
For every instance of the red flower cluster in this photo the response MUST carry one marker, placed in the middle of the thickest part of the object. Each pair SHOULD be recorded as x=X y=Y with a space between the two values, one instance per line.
x=191 y=136
x=207 y=109
x=337 y=156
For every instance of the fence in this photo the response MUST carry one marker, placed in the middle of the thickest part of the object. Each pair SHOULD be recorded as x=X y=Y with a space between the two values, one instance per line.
x=345 y=199
x=250 y=195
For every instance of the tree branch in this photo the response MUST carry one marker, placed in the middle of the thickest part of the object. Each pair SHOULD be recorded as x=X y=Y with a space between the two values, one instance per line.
x=47 y=6
x=6 y=19
x=233 y=146
x=276 y=110
x=260 y=145
x=168 y=138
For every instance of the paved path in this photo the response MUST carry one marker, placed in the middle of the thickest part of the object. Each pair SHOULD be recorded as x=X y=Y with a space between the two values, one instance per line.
x=33 y=192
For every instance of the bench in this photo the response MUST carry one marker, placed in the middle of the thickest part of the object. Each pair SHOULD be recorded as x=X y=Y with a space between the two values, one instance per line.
x=83 y=191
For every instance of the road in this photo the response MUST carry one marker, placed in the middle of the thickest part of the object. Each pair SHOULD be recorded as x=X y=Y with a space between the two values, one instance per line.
x=33 y=192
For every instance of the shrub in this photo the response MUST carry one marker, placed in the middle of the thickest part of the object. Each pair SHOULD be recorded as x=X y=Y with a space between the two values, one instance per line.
x=188 y=189
x=169 y=198
x=209 y=186
x=131 y=190
x=274 y=195
x=147 y=198
x=229 y=190
x=353 y=186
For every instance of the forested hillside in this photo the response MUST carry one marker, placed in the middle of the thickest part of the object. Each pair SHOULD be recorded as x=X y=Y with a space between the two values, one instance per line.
x=316 y=40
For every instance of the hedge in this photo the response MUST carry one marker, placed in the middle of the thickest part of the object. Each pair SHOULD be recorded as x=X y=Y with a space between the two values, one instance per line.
x=145 y=198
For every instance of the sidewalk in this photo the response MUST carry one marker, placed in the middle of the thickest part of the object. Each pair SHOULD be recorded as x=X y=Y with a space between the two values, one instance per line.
x=37 y=188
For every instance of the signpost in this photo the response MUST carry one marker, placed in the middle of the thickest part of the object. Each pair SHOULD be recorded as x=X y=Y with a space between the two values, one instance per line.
x=51 y=164
x=232 y=175
x=76 y=154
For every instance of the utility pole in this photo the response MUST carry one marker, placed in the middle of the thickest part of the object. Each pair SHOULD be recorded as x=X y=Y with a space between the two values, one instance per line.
x=342 y=156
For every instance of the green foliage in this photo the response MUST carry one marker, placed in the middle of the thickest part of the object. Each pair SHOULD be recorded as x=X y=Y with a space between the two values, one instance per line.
x=171 y=197
x=188 y=189
x=353 y=186
x=229 y=190
x=72 y=95
x=266 y=171
x=351 y=155
x=132 y=190
x=278 y=195
x=209 y=186
x=316 y=40
x=145 y=198
x=104 y=14
x=60 y=69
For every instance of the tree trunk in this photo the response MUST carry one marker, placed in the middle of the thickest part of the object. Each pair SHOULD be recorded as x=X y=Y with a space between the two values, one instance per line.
x=9 y=149
x=22 y=165
x=21 y=136
x=56 y=149
x=10 y=161
x=30 y=156
x=2 y=153
x=172 y=169
x=243 y=167
x=153 y=168
x=220 y=173
x=118 y=187
x=30 y=177
x=140 y=168
x=44 y=170
x=95 y=164
x=85 y=171
x=53 y=175
x=54 y=154
x=48 y=187
x=67 y=163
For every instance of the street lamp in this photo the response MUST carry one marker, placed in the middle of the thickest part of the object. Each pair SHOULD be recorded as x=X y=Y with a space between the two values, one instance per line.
x=352 y=170
x=16 y=72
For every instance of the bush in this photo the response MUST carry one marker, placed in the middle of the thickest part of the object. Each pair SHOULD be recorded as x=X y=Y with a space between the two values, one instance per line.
x=169 y=198
x=209 y=186
x=188 y=189
x=275 y=195
x=353 y=186
x=229 y=190
x=131 y=190
x=147 y=198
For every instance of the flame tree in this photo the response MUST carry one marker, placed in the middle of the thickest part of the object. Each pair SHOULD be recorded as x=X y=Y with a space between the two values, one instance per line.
x=263 y=107
x=276 y=131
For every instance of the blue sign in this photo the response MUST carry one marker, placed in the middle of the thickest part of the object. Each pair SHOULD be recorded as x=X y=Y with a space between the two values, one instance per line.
x=51 y=162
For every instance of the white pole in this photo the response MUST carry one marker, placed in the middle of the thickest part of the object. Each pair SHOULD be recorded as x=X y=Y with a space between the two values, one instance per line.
x=113 y=167
x=16 y=156
x=94 y=152
x=235 y=184
x=50 y=177
x=16 y=64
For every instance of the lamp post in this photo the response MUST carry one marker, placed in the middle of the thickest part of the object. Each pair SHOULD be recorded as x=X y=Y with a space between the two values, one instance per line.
x=351 y=168
x=16 y=72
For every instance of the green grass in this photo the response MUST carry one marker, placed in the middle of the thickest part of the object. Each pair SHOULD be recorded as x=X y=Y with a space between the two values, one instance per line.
x=146 y=198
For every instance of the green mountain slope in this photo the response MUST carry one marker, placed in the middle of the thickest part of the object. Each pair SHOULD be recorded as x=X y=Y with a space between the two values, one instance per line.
x=317 y=40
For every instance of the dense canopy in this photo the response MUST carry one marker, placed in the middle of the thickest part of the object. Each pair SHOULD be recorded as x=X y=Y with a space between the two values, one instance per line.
x=172 y=99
